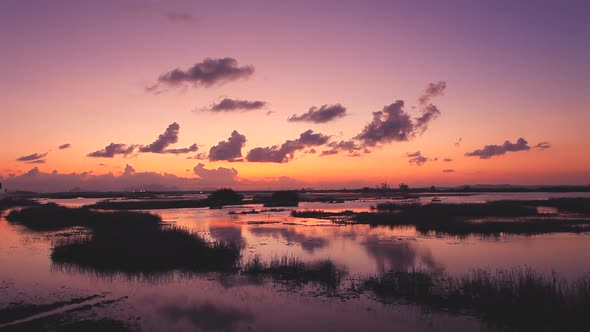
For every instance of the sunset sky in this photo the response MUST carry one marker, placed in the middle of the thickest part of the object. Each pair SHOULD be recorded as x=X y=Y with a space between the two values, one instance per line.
x=468 y=92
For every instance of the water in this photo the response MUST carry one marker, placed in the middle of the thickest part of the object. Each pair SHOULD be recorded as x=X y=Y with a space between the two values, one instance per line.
x=211 y=302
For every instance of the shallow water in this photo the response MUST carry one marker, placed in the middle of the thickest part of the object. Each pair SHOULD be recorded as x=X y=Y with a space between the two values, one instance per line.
x=211 y=302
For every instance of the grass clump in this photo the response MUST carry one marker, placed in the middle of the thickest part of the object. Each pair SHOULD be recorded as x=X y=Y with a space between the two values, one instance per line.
x=321 y=214
x=428 y=211
x=520 y=298
x=127 y=241
x=293 y=269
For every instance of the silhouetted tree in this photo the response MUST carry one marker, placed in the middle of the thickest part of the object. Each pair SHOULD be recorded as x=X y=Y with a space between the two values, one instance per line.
x=224 y=196
x=283 y=198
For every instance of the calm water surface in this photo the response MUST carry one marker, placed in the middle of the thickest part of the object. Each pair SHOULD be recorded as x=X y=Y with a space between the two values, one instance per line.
x=210 y=302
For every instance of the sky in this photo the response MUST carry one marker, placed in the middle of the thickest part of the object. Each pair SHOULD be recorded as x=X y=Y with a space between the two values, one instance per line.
x=125 y=95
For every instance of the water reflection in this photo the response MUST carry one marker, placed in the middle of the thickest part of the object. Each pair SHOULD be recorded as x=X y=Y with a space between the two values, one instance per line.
x=308 y=243
x=398 y=255
x=226 y=231
x=206 y=316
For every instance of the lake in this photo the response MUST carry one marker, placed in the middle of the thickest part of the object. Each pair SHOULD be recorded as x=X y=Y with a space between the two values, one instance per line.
x=226 y=302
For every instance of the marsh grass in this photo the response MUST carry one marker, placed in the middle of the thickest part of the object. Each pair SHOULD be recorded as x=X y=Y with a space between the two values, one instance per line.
x=126 y=241
x=254 y=211
x=320 y=214
x=146 y=250
x=520 y=297
x=457 y=219
x=429 y=211
x=48 y=217
x=288 y=268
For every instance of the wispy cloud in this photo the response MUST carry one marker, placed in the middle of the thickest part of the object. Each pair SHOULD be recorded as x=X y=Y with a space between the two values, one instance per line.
x=206 y=73
x=32 y=157
x=323 y=114
x=231 y=105
x=112 y=150
x=64 y=146
x=489 y=151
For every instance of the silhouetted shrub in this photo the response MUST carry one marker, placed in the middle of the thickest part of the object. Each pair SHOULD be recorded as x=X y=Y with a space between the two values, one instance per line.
x=283 y=198
x=224 y=196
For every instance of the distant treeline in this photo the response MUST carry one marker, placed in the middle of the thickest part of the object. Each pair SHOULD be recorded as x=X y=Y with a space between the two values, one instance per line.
x=382 y=189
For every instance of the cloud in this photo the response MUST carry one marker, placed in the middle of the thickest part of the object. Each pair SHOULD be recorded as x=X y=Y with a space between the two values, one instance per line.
x=198 y=156
x=32 y=157
x=432 y=90
x=416 y=158
x=221 y=175
x=230 y=150
x=113 y=149
x=128 y=170
x=390 y=124
x=32 y=172
x=38 y=161
x=207 y=73
x=449 y=170
x=542 y=145
x=351 y=147
x=169 y=137
x=130 y=179
x=64 y=146
x=323 y=114
x=429 y=113
x=230 y=105
x=489 y=151
x=447 y=160
x=286 y=151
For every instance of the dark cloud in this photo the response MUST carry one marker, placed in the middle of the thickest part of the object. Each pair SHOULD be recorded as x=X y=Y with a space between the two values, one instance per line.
x=323 y=114
x=309 y=138
x=229 y=105
x=496 y=150
x=230 y=150
x=447 y=160
x=32 y=157
x=543 y=145
x=198 y=156
x=351 y=147
x=64 y=146
x=286 y=151
x=390 y=124
x=113 y=149
x=429 y=113
x=416 y=158
x=32 y=172
x=449 y=170
x=221 y=175
x=169 y=137
x=432 y=90
x=207 y=73
x=191 y=148
x=179 y=17
x=128 y=170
